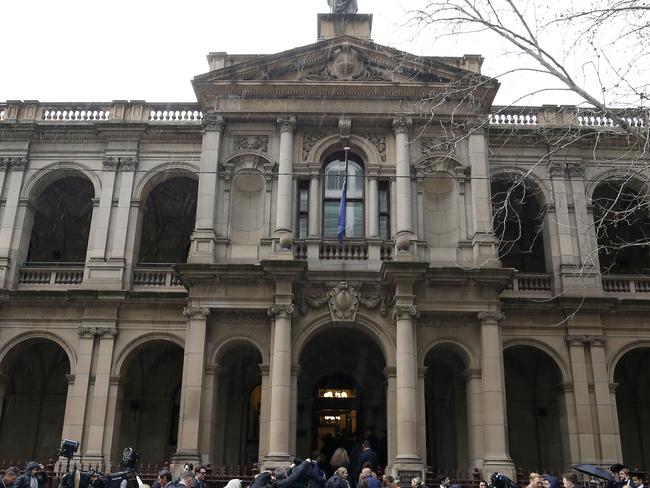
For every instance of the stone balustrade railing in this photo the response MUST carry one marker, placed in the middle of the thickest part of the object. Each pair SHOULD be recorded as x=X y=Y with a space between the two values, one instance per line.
x=110 y=112
x=156 y=277
x=51 y=274
x=530 y=283
x=625 y=284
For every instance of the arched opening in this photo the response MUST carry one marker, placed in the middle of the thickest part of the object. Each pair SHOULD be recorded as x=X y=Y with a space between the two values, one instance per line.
x=149 y=401
x=247 y=213
x=533 y=382
x=168 y=221
x=518 y=223
x=622 y=227
x=633 y=404
x=342 y=395
x=446 y=411
x=62 y=217
x=35 y=388
x=239 y=403
x=334 y=172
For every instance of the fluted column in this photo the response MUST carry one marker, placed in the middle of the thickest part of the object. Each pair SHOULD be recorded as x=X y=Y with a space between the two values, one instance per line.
x=496 y=457
x=203 y=244
x=189 y=420
x=406 y=388
x=280 y=418
x=283 y=220
x=404 y=218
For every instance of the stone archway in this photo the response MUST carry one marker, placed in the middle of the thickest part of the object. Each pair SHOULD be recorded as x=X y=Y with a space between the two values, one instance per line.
x=633 y=405
x=341 y=393
x=535 y=413
x=34 y=387
x=148 y=402
x=446 y=410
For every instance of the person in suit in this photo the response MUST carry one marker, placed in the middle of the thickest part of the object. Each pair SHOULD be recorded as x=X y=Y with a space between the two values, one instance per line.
x=9 y=477
x=367 y=455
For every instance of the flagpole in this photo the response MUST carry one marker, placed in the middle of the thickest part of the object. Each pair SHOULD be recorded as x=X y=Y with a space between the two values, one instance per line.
x=343 y=207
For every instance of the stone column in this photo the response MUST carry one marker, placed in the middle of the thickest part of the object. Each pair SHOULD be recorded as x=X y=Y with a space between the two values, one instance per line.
x=314 y=206
x=94 y=449
x=562 y=222
x=98 y=238
x=582 y=403
x=406 y=389
x=390 y=374
x=9 y=246
x=280 y=418
x=113 y=416
x=208 y=414
x=422 y=414
x=265 y=413
x=496 y=457
x=187 y=449
x=284 y=213
x=484 y=245
x=475 y=441
x=610 y=440
x=204 y=238
x=404 y=218
x=122 y=213
x=75 y=407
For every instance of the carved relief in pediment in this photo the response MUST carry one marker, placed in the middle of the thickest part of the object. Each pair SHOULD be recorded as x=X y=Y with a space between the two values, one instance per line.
x=346 y=64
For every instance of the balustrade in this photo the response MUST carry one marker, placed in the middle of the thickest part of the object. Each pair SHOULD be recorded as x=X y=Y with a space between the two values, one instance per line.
x=86 y=113
x=51 y=274
x=625 y=284
x=513 y=119
x=160 y=276
x=531 y=283
x=175 y=114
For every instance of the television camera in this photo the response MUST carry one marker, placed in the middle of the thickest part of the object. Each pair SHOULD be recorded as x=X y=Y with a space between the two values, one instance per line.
x=498 y=480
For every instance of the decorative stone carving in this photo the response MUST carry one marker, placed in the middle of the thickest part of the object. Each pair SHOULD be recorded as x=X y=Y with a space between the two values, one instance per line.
x=585 y=340
x=437 y=145
x=349 y=64
x=312 y=302
x=195 y=312
x=373 y=302
x=491 y=316
x=251 y=143
x=401 y=125
x=213 y=121
x=343 y=302
x=380 y=143
x=343 y=6
x=576 y=170
x=308 y=143
x=125 y=163
x=556 y=169
x=97 y=331
x=15 y=162
x=370 y=302
x=287 y=123
x=404 y=312
x=345 y=128
x=281 y=310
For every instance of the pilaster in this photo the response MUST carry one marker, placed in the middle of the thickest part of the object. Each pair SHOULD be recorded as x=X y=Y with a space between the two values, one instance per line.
x=284 y=214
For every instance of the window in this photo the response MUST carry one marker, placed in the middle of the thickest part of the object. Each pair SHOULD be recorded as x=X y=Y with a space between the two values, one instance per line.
x=334 y=175
x=303 y=209
x=384 y=209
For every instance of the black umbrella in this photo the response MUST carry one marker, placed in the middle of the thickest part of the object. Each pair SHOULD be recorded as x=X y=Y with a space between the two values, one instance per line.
x=594 y=471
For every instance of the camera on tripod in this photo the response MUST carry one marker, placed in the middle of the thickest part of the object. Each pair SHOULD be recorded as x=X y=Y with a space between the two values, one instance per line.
x=498 y=480
x=67 y=449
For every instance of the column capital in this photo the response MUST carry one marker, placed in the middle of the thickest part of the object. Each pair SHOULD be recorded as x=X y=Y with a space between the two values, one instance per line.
x=16 y=162
x=585 y=340
x=472 y=374
x=213 y=121
x=124 y=163
x=265 y=369
x=196 y=312
x=85 y=331
x=491 y=317
x=556 y=169
x=212 y=368
x=402 y=312
x=401 y=125
x=390 y=372
x=576 y=170
x=287 y=123
x=280 y=311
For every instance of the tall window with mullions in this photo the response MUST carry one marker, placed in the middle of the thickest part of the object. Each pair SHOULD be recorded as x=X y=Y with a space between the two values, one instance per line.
x=384 y=209
x=334 y=173
x=303 y=209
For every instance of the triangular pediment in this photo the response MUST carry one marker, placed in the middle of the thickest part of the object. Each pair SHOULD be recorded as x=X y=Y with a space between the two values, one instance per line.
x=343 y=59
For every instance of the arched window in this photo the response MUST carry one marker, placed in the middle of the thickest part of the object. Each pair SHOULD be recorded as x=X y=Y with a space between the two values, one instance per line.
x=622 y=227
x=518 y=224
x=334 y=176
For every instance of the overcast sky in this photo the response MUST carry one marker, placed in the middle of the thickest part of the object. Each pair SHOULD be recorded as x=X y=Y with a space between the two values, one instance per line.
x=100 y=50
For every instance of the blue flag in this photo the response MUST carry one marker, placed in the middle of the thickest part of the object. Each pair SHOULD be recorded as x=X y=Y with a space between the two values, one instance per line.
x=344 y=204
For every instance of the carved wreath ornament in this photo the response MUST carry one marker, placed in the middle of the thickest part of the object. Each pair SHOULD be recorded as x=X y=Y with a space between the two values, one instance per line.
x=343 y=301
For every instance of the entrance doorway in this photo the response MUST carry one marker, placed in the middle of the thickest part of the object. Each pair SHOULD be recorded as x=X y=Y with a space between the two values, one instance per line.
x=341 y=394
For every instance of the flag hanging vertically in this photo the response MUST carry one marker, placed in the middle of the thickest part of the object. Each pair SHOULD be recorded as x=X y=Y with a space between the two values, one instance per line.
x=344 y=203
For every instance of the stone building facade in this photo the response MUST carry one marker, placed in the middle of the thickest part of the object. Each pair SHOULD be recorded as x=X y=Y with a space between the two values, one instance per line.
x=171 y=278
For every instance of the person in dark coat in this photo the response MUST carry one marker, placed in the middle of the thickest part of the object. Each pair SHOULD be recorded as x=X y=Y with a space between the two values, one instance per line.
x=339 y=479
x=367 y=455
x=9 y=478
x=33 y=477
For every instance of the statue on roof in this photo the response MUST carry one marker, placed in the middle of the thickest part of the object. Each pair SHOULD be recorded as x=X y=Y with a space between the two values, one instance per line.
x=343 y=6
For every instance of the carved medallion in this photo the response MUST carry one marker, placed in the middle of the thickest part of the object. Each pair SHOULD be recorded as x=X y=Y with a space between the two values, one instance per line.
x=343 y=302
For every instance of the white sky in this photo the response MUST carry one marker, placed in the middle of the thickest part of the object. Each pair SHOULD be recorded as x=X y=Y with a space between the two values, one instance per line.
x=101 y=50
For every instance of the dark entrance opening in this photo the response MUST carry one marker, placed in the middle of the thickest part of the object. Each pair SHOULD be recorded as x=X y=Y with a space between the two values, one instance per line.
x=341 y=394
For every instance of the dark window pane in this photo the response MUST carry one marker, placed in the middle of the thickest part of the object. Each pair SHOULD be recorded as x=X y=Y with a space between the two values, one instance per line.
x=384 y=227
x=330 y=218
x=303 y=224
x=304 y=200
